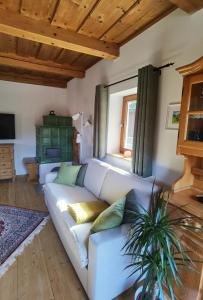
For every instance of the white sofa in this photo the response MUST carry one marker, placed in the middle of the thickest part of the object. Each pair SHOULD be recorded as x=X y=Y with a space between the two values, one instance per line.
x=97 y=258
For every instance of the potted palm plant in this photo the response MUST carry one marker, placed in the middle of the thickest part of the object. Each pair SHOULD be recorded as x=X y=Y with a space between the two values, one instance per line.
x=156 y=252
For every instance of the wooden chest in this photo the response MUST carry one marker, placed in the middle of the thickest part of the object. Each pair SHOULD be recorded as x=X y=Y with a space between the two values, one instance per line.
x=31 y=165
x=7 y=169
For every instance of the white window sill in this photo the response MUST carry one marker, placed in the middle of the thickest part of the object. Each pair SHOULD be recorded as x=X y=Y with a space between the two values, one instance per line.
x=120 y=156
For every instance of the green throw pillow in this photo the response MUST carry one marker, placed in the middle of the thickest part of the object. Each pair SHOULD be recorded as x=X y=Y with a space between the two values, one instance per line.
x=110 y=217
x=67 y=174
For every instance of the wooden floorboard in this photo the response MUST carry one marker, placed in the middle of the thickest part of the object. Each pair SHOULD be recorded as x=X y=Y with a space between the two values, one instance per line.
x=43 y=271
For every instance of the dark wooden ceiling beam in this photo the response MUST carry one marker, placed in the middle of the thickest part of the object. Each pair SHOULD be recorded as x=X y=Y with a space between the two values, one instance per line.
x=49 y=63
x=33 y=79
x=15 y=61
x=189 y=6
x=42 y=32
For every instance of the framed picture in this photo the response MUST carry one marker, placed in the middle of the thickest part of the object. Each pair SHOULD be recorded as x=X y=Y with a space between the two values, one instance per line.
x=173 y=116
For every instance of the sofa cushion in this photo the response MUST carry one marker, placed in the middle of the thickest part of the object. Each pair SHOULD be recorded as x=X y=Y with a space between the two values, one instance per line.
x=95 y=174
x=118 y=183
x=67 y=174
x=55 y=169
x=69 y=194
x=110 y=217
x=84 y=212
x=134 y=202
x=81 y=175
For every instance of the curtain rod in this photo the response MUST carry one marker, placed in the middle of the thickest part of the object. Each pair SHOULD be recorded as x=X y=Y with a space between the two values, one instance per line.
x=159 y=68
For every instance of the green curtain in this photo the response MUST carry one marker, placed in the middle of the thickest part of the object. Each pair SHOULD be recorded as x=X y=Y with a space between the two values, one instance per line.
x=143 y=142
x=100 y=122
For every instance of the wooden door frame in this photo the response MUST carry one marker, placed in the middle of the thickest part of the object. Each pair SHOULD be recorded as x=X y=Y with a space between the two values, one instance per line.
x=126 y=99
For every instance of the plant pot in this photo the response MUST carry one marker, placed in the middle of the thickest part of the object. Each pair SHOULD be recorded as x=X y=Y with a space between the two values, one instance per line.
x=138 y=294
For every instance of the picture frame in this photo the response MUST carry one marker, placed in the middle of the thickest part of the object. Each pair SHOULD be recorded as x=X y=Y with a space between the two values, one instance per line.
x=173 y=116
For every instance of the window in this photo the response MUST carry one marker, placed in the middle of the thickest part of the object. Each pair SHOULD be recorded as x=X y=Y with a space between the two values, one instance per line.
x=121 y=110
x=128 y=122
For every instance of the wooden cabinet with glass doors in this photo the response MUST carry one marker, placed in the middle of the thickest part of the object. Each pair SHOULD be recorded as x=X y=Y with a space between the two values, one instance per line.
x=190 y=141
x=188 y=190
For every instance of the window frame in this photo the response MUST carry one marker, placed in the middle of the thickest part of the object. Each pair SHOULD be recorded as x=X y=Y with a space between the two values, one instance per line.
x=126 y=99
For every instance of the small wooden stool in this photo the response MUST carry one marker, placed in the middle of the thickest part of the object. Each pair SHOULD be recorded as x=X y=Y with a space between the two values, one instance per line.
x=31 y=165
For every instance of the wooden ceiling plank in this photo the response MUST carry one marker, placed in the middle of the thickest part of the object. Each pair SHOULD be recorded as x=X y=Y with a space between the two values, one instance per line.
x=48 y=63
x=38 y=31
x=23 y=72
x=12 y=5
x=54 y=11
x=89 y=13
x=146 y=10
x=7 y=43
x=39 y=10
x=27 y=48
x=47 y=52
x=129 y=19
x=74 y=62
x=147 y=20
x=104 y=15
x=71 y=13
x=119 y=19
x=26 y=65
x=58 y=55
x=144 y=26
x=189 y=6
x=86 y=61
x=67 y=56
x=38 y=50
x=38 y=80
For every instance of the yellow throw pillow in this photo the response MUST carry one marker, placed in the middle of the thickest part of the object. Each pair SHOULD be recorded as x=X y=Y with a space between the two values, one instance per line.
x=85 y=212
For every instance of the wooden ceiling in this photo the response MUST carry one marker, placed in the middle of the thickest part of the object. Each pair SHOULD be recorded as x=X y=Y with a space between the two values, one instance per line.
x=49 y=42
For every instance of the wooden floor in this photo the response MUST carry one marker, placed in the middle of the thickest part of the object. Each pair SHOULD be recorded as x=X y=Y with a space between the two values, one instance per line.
x=43 y=271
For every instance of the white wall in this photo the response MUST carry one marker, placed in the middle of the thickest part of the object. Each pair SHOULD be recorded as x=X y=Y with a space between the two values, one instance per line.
x=29 y=103
x=177 y=38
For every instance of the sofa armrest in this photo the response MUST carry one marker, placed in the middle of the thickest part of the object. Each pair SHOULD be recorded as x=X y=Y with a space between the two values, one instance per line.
x=101 y=238
x=50 y=177
x=107 y=276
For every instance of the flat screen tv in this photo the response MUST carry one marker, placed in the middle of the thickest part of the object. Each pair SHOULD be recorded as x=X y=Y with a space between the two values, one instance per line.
x=7 y=126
